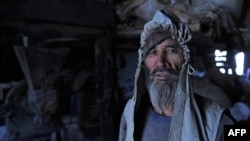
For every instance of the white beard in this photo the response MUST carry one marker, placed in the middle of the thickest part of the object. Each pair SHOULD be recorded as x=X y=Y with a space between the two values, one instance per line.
x=162 y=95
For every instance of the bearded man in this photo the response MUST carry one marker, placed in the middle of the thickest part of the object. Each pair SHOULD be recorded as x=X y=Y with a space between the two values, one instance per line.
x=163 y=106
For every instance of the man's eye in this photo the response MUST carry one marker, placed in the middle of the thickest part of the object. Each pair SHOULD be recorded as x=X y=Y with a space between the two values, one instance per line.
x=172 y=50
x=151 y=52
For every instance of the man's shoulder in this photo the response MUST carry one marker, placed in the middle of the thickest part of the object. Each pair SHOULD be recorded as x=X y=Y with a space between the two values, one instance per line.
x=209 y=105
x=206 y=102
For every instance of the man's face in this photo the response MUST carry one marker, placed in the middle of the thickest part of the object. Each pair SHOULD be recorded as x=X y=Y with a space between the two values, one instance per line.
x=162 y=66
x=164 y=61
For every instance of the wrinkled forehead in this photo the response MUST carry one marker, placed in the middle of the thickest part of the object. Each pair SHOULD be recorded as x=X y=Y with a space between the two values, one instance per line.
x=169 y=42
x=155 y=37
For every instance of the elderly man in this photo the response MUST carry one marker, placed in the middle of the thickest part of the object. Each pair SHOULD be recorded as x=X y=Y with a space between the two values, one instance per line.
x=163 y=106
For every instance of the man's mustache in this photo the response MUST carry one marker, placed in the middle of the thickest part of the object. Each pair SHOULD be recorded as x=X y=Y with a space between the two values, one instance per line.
x=163 y=69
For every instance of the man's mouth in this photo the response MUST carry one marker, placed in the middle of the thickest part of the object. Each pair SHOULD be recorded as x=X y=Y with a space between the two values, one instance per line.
x=161 y=76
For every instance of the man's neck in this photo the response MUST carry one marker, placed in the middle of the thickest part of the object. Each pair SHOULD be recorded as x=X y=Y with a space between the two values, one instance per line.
x=168 y=112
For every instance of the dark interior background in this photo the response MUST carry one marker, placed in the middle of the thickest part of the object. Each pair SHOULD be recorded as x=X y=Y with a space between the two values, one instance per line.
x=96 y=78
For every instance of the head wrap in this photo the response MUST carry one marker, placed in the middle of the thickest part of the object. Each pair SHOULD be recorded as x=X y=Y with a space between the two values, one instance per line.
x=166 y=24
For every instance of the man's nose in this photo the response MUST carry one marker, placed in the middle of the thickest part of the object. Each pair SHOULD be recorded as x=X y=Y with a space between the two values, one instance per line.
x=162 y=60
